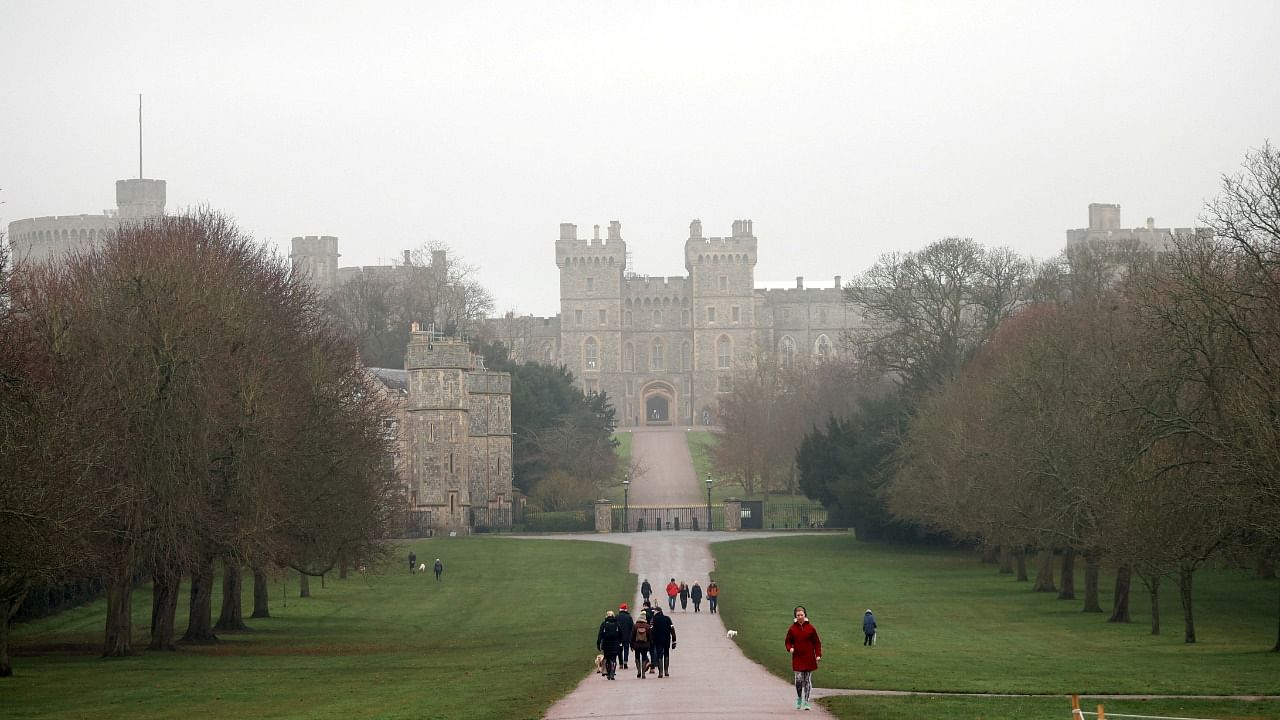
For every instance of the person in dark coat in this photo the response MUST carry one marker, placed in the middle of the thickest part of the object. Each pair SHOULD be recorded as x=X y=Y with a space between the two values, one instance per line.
x=646 y=589
x=439 y=568
x=684 y=597
x=626 y=624
x=609 y=642
x=647 y=612
x=695 y=594
x=413 y=562
x=806 y=650
x=869 y=628
x=664 y=641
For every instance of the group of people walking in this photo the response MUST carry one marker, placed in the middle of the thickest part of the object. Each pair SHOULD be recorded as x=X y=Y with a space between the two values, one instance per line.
x=682 y=592
x=650 y=636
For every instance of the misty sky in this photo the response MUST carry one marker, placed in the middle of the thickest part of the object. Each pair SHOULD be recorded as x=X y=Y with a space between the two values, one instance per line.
x=844 y=130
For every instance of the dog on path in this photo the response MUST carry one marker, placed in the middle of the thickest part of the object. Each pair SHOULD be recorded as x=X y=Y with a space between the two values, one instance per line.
x=600 y=664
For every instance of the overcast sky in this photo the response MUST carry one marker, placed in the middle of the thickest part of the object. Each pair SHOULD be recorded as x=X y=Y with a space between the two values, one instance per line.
x=844 y=130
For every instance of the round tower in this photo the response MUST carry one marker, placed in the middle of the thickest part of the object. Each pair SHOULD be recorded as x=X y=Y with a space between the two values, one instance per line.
x=139 y=198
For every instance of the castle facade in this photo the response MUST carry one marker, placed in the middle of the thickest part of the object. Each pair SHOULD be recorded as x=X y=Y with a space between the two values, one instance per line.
x=665 y=349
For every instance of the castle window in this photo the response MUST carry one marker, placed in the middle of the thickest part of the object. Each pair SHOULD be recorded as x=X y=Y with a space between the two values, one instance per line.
x=577 y=317
x=711 y=314
x=786 y=314
x=590 y=354
x=686 y=356
x=788 y=352
x=657 y=317
x=822 y=348
x=822 y=316
x=724 y=384
x=724 y=352
x=736 y=313
x=591 y=284
x=684 y=317
x=546 y=353
x=724 y=282
x=626 y=318
x=658 y=359
x=604 y=317
x=631 y=388
x=628 y=358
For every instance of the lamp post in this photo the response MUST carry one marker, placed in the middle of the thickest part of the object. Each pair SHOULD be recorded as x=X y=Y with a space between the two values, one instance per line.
x=626 y=515
x=708 y=502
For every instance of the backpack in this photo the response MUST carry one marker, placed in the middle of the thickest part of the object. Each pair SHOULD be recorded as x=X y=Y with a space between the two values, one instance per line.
x=611 y=632
x=640 y=640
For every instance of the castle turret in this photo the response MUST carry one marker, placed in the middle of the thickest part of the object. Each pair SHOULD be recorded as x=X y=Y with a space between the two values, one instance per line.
x=138 y=198
x=591 y=281
x=316 y=257
x=439 y=427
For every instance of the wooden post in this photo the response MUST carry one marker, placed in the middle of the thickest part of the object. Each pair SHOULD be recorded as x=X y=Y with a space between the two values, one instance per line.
x=1076 y=714
x=1101 y=715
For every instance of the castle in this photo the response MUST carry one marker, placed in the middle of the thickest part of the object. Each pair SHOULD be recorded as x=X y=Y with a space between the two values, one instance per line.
x=43 y=238
x=664 y=349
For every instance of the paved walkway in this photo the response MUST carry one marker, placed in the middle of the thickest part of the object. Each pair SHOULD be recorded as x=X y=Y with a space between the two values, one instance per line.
x=710 y=677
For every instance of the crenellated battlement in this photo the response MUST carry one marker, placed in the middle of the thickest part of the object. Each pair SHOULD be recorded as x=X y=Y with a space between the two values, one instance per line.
x=637 y=285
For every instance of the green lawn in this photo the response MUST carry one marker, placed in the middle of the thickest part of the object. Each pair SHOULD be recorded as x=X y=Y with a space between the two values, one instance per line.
x=1029 y=708
x=387 y=646
x=951 y=624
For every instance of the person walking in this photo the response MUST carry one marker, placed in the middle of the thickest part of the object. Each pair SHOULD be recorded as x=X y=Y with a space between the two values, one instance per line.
x=664 y=641
x=869 y=628
x=646 y=590
x=439 y=568
x=641 y=640
x=684 y=597
x=609 y=642
x=647 y=611
x=806 y=651
x=713 y=596
x=626 y=624
x=695 y=594
x=413 y=562
x=672 y=591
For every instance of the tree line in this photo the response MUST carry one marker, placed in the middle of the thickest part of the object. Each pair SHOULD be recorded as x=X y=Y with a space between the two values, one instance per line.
x=1113 y=405
x=173 y=401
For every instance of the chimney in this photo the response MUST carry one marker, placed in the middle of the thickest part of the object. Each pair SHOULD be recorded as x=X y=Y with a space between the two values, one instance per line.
x=799 y=282
x=1151 y=223
x=407 y=257
x=837 y=282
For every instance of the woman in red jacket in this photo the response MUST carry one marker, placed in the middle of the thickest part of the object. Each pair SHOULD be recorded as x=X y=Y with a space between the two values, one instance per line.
x=806 y=650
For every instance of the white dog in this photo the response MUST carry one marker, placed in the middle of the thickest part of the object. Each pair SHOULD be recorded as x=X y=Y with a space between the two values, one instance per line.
x=422 y=567
x=732 y=634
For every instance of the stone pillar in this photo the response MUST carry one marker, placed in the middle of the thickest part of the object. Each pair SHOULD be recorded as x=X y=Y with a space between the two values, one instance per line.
x=604 y=516
x=732 y=514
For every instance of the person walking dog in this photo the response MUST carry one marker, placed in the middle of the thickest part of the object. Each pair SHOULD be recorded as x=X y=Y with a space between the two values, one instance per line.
x=869 y=628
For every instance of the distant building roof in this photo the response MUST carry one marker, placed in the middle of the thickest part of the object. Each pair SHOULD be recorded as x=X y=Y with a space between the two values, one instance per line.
x=392 y=379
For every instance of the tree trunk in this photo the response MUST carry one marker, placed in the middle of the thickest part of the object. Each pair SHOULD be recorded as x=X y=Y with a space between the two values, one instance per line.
x=118 y=638
x=1184 y=592
x=1044 y=576
x=1068 y=591
x=1021 y=558
x=1092 y=600
x=165 y=586
x=343 y=569
x=1277 y=647
x=8 y=608
x=260 y=594
x=304 y=586
x=231 y=619
x=989 y=553
x=1120 y=604
x=1153 y=585
x=1265 y=569
x=1006 y=560
x=200 y=624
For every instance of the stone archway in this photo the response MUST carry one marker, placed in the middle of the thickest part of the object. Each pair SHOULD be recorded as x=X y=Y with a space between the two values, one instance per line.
x=659 y=403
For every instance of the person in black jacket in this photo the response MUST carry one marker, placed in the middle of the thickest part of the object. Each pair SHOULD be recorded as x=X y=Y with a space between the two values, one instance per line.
x=609 y=642
x=626 y=624
x=695 y=594
x=684 y=597
x=664 y=641
x=646 y=589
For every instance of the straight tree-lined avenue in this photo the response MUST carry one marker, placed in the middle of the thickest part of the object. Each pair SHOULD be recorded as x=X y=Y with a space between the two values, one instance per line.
x=710 y=677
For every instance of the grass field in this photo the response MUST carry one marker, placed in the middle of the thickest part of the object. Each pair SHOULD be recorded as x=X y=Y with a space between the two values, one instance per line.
x=951 y=624
x=384 y=646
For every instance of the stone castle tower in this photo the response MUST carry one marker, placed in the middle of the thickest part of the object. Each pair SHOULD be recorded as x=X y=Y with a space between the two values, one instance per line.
x=457 y=429
x=316 y=256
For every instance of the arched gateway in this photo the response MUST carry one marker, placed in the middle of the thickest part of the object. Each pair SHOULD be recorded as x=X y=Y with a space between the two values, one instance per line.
x=659 y=403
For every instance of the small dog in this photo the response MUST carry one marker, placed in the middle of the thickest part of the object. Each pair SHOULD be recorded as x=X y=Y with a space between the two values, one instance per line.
x=600 y=664
x=732 y=634
x=422 y=567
